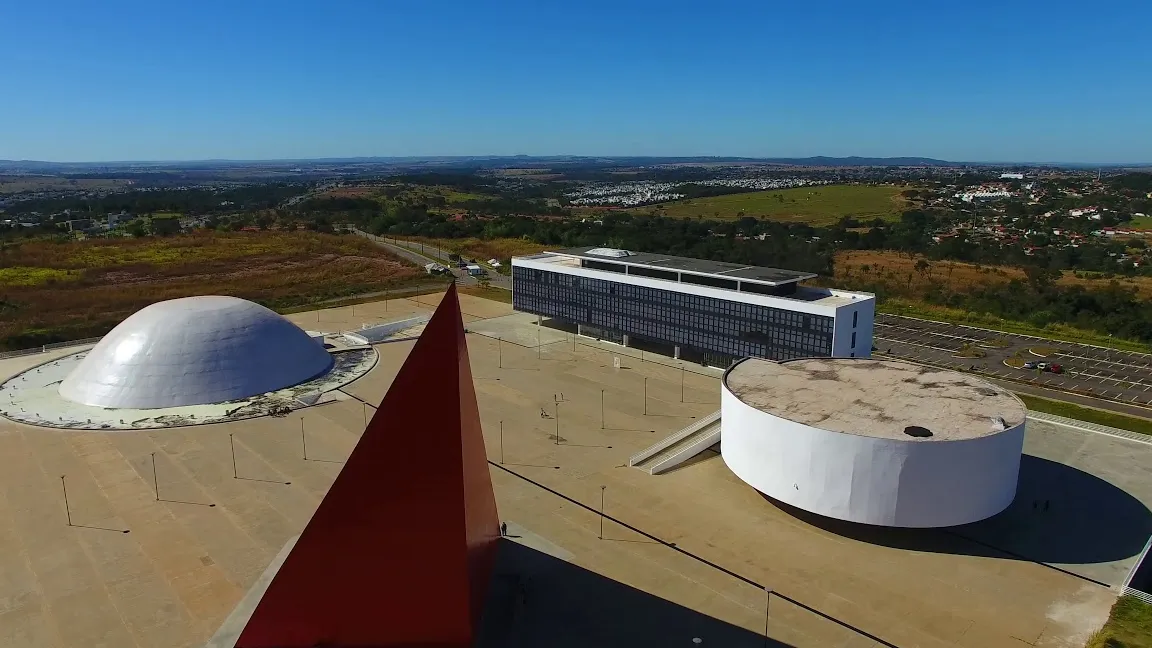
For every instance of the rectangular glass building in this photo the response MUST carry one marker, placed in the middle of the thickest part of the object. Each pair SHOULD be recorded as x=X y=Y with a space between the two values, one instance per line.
x=705 y=311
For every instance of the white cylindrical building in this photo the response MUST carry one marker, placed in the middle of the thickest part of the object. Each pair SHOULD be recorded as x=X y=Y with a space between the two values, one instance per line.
x=873 y=441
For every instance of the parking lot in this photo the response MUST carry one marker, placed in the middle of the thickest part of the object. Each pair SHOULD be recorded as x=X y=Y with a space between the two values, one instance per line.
x=1121 y=376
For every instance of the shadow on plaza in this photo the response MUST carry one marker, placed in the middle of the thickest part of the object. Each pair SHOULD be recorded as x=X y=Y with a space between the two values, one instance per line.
x=1087 y=520
x=538 y=600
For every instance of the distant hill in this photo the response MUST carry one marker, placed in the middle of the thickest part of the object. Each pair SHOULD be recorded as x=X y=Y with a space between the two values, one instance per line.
x=855 y=160
x=498 y=161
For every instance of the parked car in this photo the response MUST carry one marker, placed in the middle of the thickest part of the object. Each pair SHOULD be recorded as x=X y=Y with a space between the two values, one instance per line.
x=1055 y=368
x=1030 y=365
x=1042 y=366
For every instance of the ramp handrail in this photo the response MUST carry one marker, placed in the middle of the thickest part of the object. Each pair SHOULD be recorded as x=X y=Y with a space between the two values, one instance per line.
x=671 y=439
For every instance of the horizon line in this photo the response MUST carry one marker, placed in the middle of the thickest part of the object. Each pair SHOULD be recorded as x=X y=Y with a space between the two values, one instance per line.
x=417 y=158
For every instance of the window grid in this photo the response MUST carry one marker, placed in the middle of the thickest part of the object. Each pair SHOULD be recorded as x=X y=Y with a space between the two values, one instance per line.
x=731 y=328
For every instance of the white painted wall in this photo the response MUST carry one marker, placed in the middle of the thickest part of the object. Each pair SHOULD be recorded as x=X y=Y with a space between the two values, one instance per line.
x=885 y=482
x=842 y=329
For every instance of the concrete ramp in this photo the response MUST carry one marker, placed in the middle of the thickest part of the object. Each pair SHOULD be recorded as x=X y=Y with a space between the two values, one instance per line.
x=383 y=332
x=679 y=447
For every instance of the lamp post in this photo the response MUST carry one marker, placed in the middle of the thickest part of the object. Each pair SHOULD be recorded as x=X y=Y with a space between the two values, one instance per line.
x=602 y=487
x=767 y=604
x=645 y=395
x=67 y=509
x=557 y=410
x=601 y=409
x=501 y=442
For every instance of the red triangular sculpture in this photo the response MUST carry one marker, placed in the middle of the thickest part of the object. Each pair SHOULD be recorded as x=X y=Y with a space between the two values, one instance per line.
x=401 y=550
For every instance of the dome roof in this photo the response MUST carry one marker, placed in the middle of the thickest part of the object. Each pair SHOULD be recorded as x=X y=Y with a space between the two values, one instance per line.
x=194 y=351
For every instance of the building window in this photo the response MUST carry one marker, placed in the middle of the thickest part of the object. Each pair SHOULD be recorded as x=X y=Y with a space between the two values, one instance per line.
x=853 y=339
x=855 y=317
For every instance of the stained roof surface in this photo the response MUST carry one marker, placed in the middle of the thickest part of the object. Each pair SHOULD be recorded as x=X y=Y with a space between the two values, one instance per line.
x=877 y=398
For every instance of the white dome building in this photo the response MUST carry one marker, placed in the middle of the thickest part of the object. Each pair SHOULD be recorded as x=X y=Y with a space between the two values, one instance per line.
x=873 y=441
x=194 y=351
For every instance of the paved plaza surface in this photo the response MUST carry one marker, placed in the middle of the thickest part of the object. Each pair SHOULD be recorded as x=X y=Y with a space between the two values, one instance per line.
x=693 y=548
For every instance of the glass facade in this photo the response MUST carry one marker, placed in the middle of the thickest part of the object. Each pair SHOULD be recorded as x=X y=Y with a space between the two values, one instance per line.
x=714 y=326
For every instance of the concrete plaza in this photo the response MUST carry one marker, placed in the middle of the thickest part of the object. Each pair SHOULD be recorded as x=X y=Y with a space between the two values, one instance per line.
x=560 y=422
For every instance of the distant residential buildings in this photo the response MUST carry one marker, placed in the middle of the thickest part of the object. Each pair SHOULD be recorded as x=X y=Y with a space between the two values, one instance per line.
x=984 y=194
x=631 y=194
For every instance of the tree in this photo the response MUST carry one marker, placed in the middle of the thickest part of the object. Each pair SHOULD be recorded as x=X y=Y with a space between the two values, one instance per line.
x=922 y=267
x=136 y=228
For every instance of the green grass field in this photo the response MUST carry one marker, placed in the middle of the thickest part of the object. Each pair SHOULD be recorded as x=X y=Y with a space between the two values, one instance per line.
x=814 y=205
x=1141 y=222
x=1088 y=414
x=1129 y=626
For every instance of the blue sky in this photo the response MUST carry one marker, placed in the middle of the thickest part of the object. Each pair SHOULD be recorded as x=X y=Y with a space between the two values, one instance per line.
x=248 y=79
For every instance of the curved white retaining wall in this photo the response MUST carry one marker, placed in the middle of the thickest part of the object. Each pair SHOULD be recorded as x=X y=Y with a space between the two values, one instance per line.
x=870 y=480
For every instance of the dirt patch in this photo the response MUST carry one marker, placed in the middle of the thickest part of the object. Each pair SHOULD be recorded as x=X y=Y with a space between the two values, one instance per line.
x=276 y=269
x=903 y=273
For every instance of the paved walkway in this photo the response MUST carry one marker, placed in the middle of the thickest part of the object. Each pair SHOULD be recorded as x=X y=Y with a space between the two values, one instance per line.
x=1092 y=427
x=560 y=422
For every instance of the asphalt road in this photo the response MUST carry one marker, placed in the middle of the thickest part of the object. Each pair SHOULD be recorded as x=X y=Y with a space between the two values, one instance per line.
x=1098 y=376
x=410 y=252
x=423 y=254
x=496 y=279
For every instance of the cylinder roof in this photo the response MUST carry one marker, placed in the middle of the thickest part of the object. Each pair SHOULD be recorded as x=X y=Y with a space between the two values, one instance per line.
x=875 y=397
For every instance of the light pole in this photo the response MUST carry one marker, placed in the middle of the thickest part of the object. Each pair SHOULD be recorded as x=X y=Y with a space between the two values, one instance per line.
x=302 y=441
x=501 y=442
x=602 y=487
x=601 y=409
x=232 y=445
x=645 y=395
x=557 y=437
x=767 y=603
x=500 y=353
x=67 y=509
x=681 y=383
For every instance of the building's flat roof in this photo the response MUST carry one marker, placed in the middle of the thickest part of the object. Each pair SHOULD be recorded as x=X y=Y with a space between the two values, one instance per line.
x=876 y=398
x=740 y=271
x=821 y=296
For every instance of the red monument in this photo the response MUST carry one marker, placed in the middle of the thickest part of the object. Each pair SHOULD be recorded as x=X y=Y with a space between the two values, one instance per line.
x=401 y=550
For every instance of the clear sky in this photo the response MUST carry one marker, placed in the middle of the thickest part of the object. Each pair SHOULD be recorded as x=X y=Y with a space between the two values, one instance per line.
x=1019 y=80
